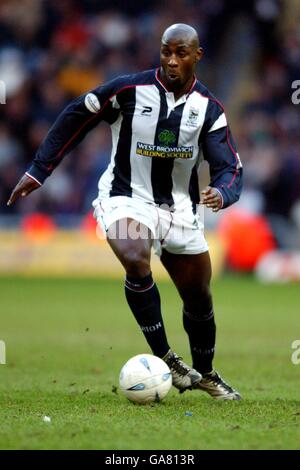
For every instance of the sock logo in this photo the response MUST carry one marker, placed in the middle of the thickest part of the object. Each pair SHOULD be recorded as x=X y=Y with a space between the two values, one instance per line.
x=203 y=352
x=150 y=329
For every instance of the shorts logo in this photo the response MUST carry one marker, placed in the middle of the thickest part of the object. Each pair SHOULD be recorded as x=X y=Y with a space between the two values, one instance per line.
x=192 y=117
x=195 y=225
x=92 y=103
x=167 y=137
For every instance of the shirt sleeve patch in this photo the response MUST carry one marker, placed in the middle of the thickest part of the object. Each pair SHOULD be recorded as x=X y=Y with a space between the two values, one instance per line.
x=92 y=103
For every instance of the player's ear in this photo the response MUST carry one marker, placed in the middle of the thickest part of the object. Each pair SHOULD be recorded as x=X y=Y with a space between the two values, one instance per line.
x=199 y=54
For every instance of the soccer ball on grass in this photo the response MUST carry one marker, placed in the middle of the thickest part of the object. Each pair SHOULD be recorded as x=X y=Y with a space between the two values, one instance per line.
x=145 y=378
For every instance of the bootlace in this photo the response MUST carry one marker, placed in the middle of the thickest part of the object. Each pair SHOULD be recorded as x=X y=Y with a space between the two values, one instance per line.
x=175 y=363
x=217 y=379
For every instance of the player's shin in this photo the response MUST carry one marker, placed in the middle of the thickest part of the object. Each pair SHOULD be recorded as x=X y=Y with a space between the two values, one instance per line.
x=144 y=300
x=201 y=330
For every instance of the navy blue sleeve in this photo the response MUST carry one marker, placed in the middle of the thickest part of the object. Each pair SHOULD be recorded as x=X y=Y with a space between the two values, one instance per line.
x=220 y=151
x=72 y=125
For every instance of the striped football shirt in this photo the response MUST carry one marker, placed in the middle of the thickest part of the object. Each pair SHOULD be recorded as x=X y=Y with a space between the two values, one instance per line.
x=157 y=142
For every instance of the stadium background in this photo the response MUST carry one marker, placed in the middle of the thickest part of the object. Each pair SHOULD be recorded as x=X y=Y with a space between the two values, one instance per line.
x=64 y=321
x=63 y=49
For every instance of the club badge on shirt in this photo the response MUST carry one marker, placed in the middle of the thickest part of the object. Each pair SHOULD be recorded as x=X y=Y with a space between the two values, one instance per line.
x=192 y=120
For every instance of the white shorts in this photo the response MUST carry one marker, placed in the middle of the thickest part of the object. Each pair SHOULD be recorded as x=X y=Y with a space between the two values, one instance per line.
x=177 y=232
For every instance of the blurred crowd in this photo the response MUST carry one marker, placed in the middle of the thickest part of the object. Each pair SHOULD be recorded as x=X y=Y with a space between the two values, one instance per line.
x=52 y=51
x=268 y=131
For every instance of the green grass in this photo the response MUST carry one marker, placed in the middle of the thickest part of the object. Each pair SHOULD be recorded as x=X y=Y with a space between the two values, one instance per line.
x=66 y=341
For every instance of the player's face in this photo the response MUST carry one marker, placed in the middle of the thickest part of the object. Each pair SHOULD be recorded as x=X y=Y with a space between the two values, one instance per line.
x=178 y=60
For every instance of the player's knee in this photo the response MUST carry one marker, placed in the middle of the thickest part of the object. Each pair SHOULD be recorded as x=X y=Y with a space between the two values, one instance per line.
x=136 y=262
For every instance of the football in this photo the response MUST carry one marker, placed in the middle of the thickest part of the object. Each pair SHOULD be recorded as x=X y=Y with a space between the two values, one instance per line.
x=145 y=378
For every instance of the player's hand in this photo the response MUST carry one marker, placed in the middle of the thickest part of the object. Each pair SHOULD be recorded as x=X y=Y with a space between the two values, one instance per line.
x=211 y=198
x=24 y=187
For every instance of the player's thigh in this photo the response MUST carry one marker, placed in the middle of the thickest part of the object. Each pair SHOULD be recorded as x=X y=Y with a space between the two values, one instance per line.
x=131 y=242
x=129 y=225
x=190 y=273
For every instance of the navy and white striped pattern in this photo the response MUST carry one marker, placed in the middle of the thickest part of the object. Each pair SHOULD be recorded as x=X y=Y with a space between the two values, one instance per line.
x=157 y=143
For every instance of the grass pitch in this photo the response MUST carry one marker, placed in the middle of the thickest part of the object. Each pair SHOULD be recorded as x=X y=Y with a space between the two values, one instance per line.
x=67 y=339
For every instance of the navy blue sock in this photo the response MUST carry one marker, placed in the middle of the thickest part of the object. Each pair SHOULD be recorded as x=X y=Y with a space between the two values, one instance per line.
x=201 y=330
x=144 y=300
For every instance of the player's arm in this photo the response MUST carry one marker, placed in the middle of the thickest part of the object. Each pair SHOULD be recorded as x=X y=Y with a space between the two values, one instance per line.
x=69 y=129
x=219 y=150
